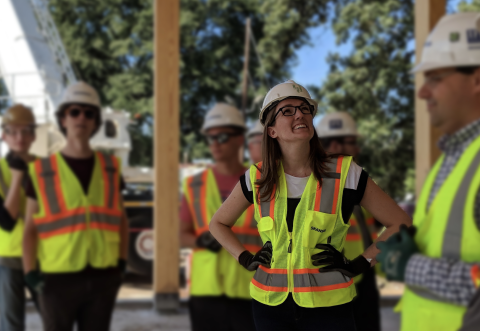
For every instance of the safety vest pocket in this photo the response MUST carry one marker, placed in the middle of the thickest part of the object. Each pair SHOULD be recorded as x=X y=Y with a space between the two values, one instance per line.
x=318 y=228
x=266 y=229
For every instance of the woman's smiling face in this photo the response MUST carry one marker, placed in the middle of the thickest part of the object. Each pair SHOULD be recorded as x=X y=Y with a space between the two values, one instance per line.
x=291 y=128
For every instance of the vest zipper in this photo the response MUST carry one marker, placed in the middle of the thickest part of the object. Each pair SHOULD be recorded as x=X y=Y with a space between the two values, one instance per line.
x=290 y=269
x=290 y=246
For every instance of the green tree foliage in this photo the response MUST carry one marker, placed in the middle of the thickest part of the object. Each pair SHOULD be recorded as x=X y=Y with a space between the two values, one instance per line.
x=110 y=44
x=373 y=84
x=469 y=6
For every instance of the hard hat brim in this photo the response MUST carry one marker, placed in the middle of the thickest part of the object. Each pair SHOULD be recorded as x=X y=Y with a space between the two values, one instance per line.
x=205 y=129
x=427 y=66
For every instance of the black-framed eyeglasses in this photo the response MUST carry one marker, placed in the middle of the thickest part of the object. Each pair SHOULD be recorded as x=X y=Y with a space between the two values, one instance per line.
x=87 y=113
x=221 y=138
x=292 y=110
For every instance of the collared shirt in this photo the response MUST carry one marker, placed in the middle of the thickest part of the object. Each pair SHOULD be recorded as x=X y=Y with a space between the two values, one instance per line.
x=450 y=279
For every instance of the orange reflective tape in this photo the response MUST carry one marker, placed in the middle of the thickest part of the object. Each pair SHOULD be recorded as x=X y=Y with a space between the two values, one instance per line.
x=65 y=230
x=55 y=217
x=306 y=271
x=104 y=226
x=353 y=222
x=318 y=197
x=274 y=271
x=269 y=288
x=249 y=216
x=252 y=248
x=272 y=203
x=58 y=186
x=323 y=288
x=353 y=237
x=475 y=274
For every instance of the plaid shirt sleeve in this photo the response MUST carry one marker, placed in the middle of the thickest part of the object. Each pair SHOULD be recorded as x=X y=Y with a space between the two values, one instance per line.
x=449 y=279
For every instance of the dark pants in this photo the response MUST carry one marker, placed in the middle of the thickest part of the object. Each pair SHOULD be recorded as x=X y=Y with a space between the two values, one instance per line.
x=288 y=316
x=220 y=314
x=367 y=303
x=84 y=298
x=12 y=299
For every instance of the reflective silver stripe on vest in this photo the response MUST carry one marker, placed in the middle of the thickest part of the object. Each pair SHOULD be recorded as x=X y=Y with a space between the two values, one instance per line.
x=319 y=279
x=249 y=239
x=264 y=205
x=61 y=223
x=452 y=241
x=104 y=218
x=266 y=279
x=48 y=176
x=329 y=179
x=3 y=184
x=196 y=185
x=110 y=170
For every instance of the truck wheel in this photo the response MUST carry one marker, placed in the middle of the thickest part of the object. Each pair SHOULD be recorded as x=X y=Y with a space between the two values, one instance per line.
x=140 y=257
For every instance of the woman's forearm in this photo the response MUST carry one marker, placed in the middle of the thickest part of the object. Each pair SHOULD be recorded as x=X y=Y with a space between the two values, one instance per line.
x=227 y=239
x=372 y=251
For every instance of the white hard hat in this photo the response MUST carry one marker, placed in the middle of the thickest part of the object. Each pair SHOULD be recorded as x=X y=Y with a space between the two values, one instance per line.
x=256 y=129
x=82 y=93
x=284 y=91
x=338 y=124
x=223 y=114
x=454 y=42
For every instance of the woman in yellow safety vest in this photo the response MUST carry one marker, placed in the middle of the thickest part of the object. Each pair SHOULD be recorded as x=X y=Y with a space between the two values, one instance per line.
x=303 y=201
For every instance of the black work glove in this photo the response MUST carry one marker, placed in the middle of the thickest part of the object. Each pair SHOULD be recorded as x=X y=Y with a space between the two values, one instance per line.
x=333 y=260
x=263 y=257
x=15 y=162
x=206 y=240
x=35 y=281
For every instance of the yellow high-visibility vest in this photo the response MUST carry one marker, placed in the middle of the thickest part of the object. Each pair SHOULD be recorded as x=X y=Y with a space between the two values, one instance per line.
x=446 y=229
x=11 y=242
x=215 y=274
x=318 y=219
x=74 y=229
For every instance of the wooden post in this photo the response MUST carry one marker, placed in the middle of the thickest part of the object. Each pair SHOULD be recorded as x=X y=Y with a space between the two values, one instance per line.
x=427 y=14
x=166 y=119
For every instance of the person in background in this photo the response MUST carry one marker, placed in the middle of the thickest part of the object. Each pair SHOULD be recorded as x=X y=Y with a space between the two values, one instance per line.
x=254 y=142
x=75 y=223
x=439 y=261
x=18 y=125
x=219 y=292
x=338 y=135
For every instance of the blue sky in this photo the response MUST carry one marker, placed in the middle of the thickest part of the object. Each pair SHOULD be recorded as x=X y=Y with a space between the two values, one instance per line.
x=311 y=65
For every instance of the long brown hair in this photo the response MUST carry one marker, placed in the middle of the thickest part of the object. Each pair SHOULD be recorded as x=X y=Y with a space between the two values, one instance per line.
x=272 y=155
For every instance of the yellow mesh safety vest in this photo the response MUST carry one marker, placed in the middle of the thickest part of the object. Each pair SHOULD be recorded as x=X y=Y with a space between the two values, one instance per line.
x=355 y=243
x=11 y=242
x=446 y=229
x=318 y=219
x=74 y=229
x=215 y=274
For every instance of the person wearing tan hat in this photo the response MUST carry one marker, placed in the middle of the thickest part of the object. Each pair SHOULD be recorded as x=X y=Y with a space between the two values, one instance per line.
x=18 y=125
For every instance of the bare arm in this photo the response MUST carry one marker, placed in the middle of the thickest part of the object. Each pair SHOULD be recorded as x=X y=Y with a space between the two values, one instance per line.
x=124 y=238
x=12 y=200
x=30 y=237
x=225 y=217
x=386 y=211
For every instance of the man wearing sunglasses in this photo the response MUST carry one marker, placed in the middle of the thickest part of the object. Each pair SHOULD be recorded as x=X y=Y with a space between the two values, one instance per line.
x=18 y=124
x=219 y=291
x=338 y=134
x=75 y=223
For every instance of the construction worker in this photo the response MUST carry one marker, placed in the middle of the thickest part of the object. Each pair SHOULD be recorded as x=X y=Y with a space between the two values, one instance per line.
x=219 y=292
x=75 y=223
x=18 y=125
x=254 y=142
x=338 y=135
x=302 y=280
x=438 y=261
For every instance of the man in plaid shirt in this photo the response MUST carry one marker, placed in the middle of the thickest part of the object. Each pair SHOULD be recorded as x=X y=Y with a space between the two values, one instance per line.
x=440 y=272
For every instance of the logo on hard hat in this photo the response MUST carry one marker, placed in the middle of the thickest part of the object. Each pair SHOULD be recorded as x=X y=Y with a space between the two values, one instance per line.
x=335 y=123
x=473 y=37
x=454 y=37
x=82 y=93
x=298 y=88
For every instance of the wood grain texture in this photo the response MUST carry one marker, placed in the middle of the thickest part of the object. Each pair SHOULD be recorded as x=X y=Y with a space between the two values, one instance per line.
x=427 y=14
x=166 y=117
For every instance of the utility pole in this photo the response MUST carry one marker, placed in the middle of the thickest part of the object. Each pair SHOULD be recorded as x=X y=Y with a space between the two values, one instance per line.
x=246 y=59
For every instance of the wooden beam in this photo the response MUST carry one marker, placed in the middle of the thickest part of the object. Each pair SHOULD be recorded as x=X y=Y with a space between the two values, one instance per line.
x=166 y=151
x=427 y=14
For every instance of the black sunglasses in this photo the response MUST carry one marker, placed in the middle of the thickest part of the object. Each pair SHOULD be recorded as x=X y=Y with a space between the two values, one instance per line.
x=221 y=138
x=87 y=113
x=292 y=110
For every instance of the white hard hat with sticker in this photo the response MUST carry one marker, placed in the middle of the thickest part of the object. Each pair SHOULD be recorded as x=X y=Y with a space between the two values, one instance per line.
x=338 y=124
